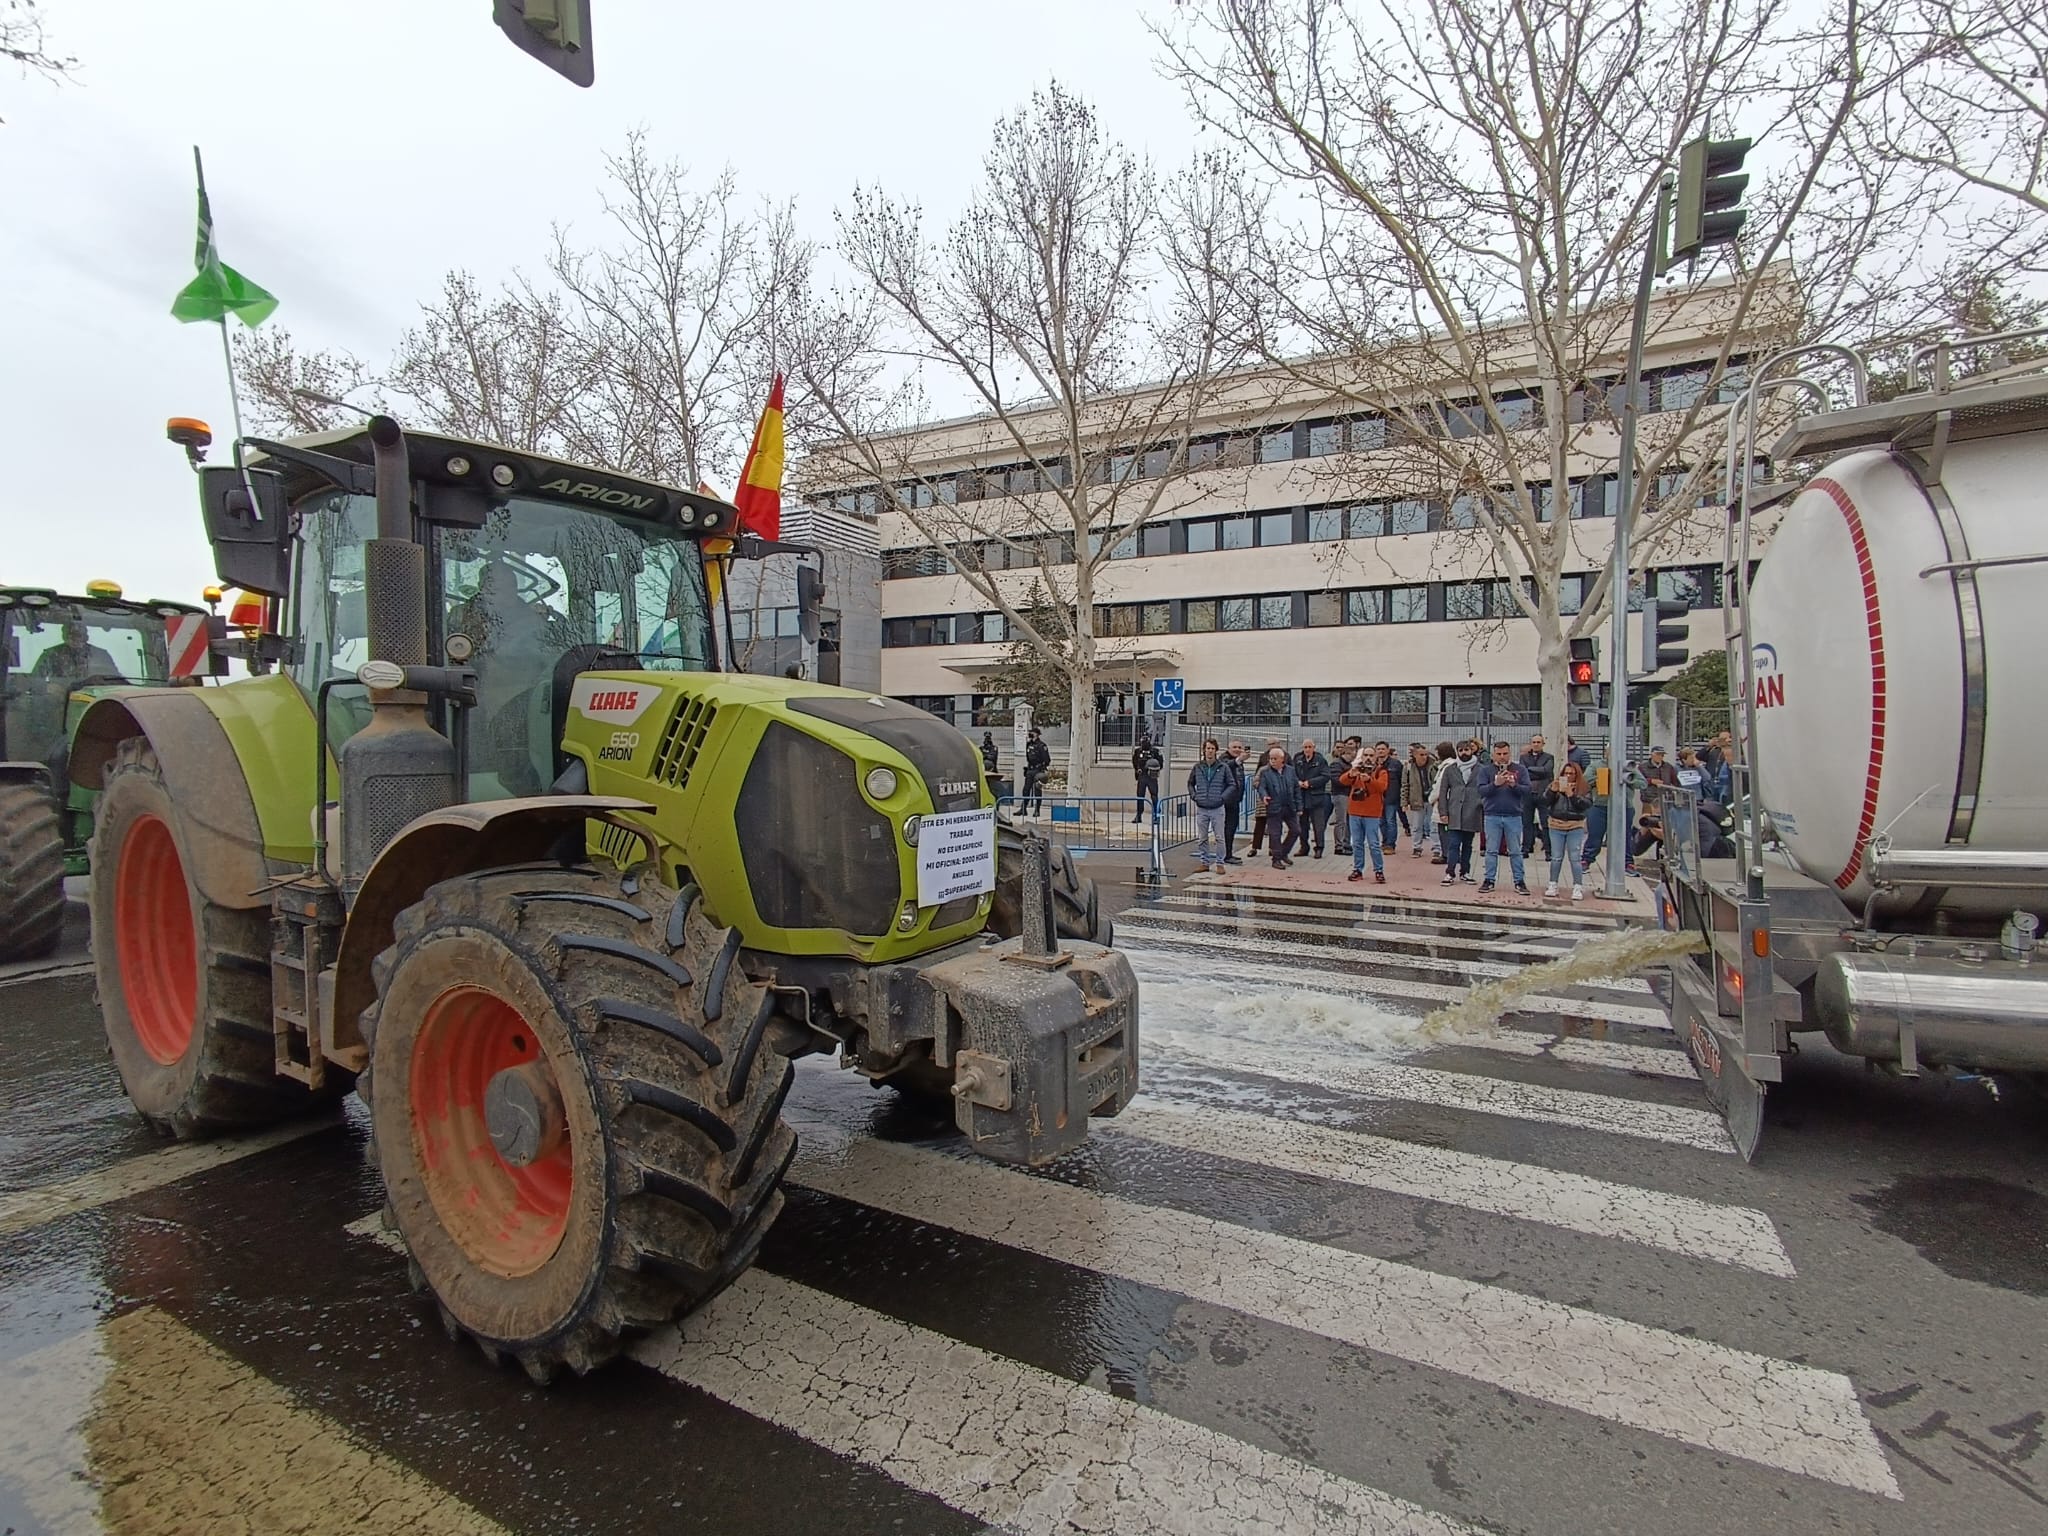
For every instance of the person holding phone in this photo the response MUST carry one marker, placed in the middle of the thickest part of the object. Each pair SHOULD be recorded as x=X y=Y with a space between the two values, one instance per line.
x=1365 y=785
x=1504 y=798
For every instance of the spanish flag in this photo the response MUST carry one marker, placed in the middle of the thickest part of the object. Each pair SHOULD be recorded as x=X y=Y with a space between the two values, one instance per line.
x=759 y=496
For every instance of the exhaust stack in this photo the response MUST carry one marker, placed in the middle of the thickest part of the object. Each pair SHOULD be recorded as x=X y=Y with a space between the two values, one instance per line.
x=398 y=766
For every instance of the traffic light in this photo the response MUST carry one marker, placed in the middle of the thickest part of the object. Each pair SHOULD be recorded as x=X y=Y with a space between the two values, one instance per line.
x=557 y=32
x=1710 y=184
x=1665 y=633
x=1583 y=671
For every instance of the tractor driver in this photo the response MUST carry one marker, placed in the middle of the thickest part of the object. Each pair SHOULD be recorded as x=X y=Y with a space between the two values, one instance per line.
x=75 y=658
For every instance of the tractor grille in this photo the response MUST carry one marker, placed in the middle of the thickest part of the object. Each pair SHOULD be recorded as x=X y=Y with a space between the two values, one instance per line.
x=683 y=740
x=817 y=854
x=619 y=846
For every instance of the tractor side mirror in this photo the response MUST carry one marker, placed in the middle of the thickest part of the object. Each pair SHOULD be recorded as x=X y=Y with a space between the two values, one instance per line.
x=249 y=526
x=810 y=597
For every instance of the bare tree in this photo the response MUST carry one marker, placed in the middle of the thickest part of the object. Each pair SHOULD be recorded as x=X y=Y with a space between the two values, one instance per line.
x=1968 y=104
x=1074 y=305
x=23 y=44
x=290 y=391
x=1473 y=182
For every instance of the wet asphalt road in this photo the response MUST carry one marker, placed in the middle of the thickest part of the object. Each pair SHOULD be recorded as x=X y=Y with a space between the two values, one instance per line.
x=1330 y=1274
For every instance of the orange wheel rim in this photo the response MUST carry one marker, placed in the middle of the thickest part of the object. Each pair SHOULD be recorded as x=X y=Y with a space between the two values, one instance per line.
x=508 y=1219
x=154 y=941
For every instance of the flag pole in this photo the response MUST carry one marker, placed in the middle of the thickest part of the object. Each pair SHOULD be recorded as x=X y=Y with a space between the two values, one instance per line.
x=227 y=356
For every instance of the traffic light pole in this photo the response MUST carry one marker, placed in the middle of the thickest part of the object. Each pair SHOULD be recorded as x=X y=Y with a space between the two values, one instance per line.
x=1620 y=835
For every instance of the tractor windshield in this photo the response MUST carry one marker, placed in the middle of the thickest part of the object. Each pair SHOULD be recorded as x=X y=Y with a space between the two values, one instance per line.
x=55 y=647
x=537 y=581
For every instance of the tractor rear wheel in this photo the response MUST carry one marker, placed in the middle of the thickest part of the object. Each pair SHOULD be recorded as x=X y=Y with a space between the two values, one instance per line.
x=575 y=1109
x=184 y=983
x=31 y=872
x=1077 y=911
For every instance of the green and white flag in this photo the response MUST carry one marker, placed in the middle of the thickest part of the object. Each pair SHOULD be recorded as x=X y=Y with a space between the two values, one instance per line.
x=219 y=290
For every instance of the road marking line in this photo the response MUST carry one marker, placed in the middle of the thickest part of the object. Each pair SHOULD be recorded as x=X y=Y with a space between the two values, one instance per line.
x=27 y=1208
x=1697 y=1128
x=1653 y=1060
x=1725 y=1234
x=1234 y=944
x=141 y=1425
x=1151 y=966
x=1007 y=1443
x=1773 y=1412
x=61 y=971
x=1358 y=935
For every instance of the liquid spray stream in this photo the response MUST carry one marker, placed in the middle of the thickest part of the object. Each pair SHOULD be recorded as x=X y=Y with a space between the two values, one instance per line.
x=1601 y=958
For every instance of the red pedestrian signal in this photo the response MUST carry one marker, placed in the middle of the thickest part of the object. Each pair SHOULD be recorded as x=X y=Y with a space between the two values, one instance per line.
x=1583 y=673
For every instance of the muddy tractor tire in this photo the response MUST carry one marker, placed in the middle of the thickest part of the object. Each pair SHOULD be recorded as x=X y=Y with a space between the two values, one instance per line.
x=575 y=1109
x=1077 y=911
x=184 y=984
x=31 y=872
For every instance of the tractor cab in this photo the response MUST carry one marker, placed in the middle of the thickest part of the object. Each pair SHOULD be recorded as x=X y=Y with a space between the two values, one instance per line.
x=536 y=571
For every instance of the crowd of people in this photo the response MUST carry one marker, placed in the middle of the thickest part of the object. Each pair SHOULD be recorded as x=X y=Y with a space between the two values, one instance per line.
x=1451 y=802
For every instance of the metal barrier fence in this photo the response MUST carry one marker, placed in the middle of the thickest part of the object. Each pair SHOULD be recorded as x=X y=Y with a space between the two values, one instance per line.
x=1085 y=824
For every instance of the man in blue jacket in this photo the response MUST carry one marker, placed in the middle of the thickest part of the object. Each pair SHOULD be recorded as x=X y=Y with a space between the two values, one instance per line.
x=1504 y=794
x=1209 y=787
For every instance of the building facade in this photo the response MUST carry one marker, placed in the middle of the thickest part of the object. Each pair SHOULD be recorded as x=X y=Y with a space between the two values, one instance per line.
x=1288 y=586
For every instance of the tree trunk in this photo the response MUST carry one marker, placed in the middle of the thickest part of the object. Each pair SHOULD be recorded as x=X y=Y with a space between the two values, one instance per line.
x=1553 y=672
x=1081 y=726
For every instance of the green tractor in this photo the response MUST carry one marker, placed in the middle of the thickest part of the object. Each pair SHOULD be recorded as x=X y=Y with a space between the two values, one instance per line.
x=57 y=653
x=491 y=838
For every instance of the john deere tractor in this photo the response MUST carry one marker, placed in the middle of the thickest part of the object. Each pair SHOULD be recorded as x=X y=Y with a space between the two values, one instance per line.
x=491 y=838
x=57 y=653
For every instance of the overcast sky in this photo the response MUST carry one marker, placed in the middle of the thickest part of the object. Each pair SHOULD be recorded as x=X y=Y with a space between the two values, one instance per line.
x=357 y=149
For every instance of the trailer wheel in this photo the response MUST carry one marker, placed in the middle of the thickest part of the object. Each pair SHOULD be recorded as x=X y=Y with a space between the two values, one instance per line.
x=31 y=872
x=184 y=984
x=1077 y=911
x=580 y=1134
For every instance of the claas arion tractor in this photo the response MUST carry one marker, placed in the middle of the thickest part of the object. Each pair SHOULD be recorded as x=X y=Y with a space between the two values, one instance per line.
x=488 y=836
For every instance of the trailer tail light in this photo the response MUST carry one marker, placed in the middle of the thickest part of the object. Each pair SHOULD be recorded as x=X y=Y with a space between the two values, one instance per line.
x=1760 y=943
x=1731 y=978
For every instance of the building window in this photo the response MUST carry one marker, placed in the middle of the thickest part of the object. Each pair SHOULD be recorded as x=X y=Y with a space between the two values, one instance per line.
x=1325 y=608
x=1277 y=612
x=1202 y=536
x=1407 y=605
x=967 y=629
x=1368 y=433
x=1464 y=706
x=994 y=627
x=1201 y=615
x=1233 y=613
x=1156 y=618
x=993 y=709
x=1125 y=547
x=1120 y=621
x=1679 y=388
x=1155 y=539
x=1234 y=533
x=1410 y=515
x=1155 y=463
x=940 y=704
x=1206 y=452
x=1275 y=528
x=1325 y=524
x=1275 y=447
x=1465 y=600
x=1407 y=706
x=1324 y=438
x=1367 y=606
x=1518 y=702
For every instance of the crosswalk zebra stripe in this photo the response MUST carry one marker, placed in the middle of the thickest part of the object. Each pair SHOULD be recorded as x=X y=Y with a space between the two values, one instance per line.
x=1154 y=966
x=1007 y=1443
x=1369 y=939
x=1794 y=1417
x=1725 y=1234
x=96 y=1187
x=1653 y=1060
x=1130 y=924
x=1447 y=1090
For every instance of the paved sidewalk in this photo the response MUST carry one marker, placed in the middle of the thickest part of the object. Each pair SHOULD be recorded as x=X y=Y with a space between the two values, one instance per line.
x=1421 y=879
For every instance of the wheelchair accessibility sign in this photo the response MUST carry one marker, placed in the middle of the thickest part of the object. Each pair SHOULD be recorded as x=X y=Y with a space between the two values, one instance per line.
x=1169 y=695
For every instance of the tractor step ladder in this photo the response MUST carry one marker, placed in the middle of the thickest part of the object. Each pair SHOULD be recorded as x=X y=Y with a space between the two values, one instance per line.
x=305 y=931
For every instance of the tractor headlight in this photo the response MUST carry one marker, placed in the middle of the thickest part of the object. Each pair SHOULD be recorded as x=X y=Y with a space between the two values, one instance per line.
x=910 y=829
x=907 y=918
x=881 y=783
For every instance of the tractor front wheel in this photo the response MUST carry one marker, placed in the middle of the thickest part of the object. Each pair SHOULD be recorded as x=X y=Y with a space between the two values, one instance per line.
x=575 y=1108
x=184 y=983
x=31 y=872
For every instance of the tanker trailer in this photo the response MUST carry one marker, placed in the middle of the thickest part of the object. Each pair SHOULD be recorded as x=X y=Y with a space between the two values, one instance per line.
x=1886 y=667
